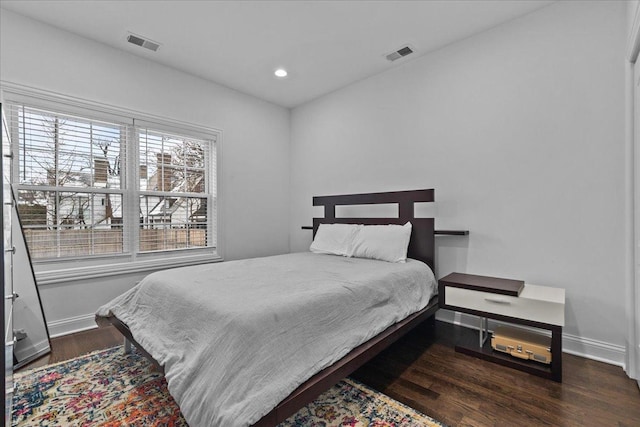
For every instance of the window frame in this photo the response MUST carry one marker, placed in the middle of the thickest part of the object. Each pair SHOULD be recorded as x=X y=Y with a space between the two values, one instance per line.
x=131 y=260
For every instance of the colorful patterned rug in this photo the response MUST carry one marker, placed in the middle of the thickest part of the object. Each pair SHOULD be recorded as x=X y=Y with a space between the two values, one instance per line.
x=110 y=388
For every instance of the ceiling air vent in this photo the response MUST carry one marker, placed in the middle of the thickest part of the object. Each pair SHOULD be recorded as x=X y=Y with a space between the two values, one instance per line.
x=139 y=41
x=399 y=53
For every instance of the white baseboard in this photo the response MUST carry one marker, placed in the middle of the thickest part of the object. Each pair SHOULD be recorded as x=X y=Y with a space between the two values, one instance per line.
x=58 y=328
x=593 y=349
x=601 y=351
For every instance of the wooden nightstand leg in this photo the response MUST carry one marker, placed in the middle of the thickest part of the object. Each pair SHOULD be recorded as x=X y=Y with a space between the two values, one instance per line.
x=556 y=353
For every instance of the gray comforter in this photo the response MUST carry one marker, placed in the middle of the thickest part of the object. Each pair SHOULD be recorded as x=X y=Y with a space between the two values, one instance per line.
x=236 y=338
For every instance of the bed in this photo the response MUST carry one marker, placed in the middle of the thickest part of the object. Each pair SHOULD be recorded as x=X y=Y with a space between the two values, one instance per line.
x=282 y=356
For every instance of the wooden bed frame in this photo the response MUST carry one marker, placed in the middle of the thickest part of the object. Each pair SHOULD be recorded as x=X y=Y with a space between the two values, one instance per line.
x=421 y=247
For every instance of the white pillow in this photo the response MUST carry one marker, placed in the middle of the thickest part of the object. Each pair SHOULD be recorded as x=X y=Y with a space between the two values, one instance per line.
x=335 y=239
x=384 y=242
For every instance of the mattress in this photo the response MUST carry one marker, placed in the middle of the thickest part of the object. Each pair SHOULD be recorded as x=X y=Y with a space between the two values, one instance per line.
x=236 y=338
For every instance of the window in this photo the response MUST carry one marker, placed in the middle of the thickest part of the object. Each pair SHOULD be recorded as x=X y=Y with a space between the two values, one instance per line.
x=91 y=184
x=173 y=191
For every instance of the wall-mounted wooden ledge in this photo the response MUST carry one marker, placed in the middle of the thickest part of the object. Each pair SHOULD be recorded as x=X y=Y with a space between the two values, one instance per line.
x=436 y=232
x=451 y=232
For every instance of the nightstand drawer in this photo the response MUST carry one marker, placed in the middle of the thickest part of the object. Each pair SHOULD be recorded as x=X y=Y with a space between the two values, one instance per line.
x=536 y=303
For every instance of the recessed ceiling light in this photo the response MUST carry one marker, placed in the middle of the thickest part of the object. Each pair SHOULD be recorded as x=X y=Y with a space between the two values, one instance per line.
x=280 y=72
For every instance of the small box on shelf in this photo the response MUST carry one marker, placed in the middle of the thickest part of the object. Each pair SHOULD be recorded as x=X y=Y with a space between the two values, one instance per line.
x=522 y=344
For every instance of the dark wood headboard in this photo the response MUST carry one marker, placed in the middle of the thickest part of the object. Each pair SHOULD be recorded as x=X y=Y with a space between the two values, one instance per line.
x=422 y=244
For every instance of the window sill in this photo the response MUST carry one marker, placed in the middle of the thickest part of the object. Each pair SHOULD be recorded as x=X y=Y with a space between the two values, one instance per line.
x=116 y=269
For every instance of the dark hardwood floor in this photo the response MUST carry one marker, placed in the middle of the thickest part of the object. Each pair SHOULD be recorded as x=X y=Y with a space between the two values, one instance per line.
x=423 y=371
x=70 y=346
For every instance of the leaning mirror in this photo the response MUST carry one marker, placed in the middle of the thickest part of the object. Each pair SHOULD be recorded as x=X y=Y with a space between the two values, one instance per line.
x=29 y=326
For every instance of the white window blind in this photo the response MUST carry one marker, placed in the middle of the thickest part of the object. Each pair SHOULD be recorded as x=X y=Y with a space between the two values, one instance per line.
x=89 y=186
x=176 y=197
x=69 y=180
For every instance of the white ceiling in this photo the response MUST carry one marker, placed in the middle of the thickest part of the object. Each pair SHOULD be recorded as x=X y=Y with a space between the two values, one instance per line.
x=325 y=45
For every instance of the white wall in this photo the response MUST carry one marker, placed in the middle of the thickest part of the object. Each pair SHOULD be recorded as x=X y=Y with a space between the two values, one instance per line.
x=632 y=6
x=255 y=148
x=521 y=132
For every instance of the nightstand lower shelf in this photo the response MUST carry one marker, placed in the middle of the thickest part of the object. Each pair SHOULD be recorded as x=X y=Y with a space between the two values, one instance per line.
x=469 y=346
